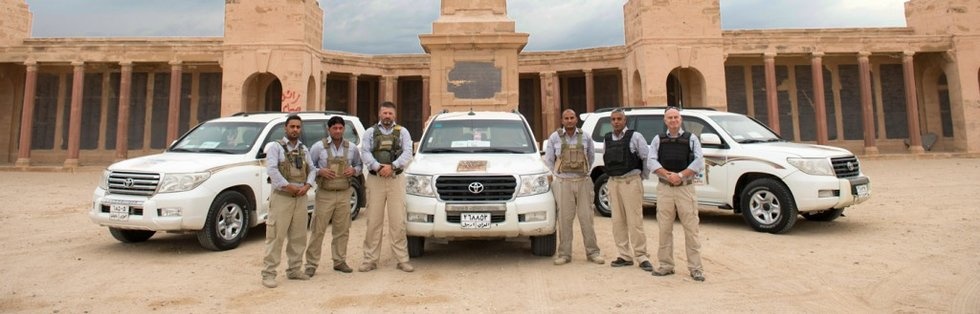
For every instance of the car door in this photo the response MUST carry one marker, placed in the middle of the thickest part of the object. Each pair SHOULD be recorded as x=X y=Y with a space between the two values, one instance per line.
x=712 y=183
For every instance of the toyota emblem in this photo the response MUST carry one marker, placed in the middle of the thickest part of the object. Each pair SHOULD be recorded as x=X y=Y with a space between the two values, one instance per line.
x=129 y=182
x=850 y=166
x=476 y=187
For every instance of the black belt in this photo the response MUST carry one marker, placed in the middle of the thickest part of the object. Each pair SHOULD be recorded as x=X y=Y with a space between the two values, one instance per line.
x=683 y=182
x=397 y=172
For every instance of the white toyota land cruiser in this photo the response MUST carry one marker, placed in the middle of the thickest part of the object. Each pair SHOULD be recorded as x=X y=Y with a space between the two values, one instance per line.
x=211 y=181
x=479 y=175
x=748 y=168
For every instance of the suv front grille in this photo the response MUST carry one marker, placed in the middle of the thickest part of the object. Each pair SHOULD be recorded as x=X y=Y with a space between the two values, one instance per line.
x=494 y=188
x=133 y=183
x=846 y=167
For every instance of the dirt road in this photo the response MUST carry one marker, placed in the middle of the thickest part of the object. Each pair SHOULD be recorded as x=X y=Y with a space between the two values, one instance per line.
x=914 y=247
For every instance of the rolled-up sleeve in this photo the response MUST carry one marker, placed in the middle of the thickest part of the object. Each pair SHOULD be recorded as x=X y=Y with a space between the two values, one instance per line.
x=639 y=145
x=273 y=155
x=406 y=156
x=698 y=164
x=550 y=151
x=367 y=143
x=653 y=163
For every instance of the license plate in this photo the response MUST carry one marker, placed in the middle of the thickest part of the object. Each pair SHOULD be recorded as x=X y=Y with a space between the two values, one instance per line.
x=862 y=190
x=118 y=212
x=474 y=220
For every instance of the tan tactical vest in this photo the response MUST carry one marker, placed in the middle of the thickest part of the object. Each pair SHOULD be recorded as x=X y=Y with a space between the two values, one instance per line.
x=288 y=167
x=388 y=147
x=572 y=159
x=338 y=164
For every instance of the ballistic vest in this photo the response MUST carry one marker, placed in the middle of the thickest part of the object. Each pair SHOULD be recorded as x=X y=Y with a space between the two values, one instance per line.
x=675 y=154
x=572 y=159
x=338 y=164
x=387 y=148
x=618 y=157
x=294 y=168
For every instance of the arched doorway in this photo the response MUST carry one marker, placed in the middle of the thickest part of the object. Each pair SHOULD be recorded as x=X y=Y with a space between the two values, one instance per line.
x=636 y=97
x=685 y=88
x=262 y=92
x=311 y=94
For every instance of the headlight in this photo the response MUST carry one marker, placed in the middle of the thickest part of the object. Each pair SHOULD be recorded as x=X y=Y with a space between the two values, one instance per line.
x=812 y=166
x=534 y=184
x=104 y=182
x=419 y=185
x=180 y=182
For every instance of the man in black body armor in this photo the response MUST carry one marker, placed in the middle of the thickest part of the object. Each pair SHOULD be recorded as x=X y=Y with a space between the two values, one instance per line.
x=291 y=173
x=676 y=158
x=625 y=153
x=337 y=162
x=386 y=150
x=569 y=155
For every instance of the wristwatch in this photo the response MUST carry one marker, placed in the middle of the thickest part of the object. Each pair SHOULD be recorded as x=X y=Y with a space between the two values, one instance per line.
x=681 y=174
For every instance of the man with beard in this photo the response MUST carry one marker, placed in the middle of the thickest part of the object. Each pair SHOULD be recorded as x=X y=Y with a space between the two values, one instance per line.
x=291 y=173
x=386 y=150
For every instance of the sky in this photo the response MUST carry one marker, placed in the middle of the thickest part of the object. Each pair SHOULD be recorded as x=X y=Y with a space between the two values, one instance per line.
x=393 y=26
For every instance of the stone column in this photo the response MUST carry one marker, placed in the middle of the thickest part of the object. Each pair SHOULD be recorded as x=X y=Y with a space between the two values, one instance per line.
x=548 y=104
x=864 y=71
x=819 y=101
x=589 y=91
x=426 y=110
x=352 y=95
x=122 y=124
x=323 y=91
x=912 y=103
x=623 y=88
x=27 y=115
x=772 y=100
x=394 y=90
x=75 y=120
x=383 y=89
x=173 y=115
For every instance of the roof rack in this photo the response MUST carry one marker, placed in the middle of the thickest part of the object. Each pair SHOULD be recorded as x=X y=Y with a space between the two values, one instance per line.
x=327 y=112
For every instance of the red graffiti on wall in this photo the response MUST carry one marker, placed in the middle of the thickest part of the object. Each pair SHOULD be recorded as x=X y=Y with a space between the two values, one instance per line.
x=290 y=101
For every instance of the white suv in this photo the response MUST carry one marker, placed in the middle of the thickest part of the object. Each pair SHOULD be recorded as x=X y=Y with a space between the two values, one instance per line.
x=211 y=181
x=479 y=175
x=748 y=168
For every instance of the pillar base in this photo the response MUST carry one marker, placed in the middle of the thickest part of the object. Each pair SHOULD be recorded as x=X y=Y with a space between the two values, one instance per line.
x=917 y=150
x=71 y=163
x=23 y=163
x=871 y=151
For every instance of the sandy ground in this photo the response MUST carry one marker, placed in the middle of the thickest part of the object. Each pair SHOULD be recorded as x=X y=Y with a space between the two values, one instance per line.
x=914 y=247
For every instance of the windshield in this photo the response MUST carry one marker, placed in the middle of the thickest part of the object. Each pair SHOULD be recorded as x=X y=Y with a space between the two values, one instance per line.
x=745 y=130
x=477 y=136
x=220 y=138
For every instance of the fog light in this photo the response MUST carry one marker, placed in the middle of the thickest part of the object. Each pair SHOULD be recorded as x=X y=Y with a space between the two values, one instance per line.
x=169 y=212
x=418 y=217
x=535 y=216
x=827 y=193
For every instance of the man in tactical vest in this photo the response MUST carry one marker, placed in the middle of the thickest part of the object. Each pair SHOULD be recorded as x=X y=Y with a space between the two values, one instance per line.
x=625 y=153
x=569 y=154
x=386 y=150
x=291 y=173
x=676 y=158
x=337 y=162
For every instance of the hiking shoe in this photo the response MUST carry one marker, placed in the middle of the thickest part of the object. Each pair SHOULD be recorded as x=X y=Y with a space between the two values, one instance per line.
x=269 y=282
x=561 y=260
x=660 y=272
x=620 y=262
x=342 y=267
x=310 y=271
x=366 y=267
x=406 y=267
x=297 y=276
x=646 y=266
x=697 y=274
x=596 y=259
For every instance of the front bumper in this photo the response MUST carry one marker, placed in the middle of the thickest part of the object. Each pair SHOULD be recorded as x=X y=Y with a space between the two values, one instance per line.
x=511 y=226
x=818 y=193
x=144 y=212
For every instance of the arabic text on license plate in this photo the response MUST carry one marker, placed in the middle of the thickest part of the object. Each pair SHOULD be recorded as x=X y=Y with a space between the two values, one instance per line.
x=474 y=220
x=862 y=190
x=118 y=212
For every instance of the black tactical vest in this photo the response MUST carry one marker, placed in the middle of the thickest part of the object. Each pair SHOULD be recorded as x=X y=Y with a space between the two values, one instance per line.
x=618 y=157
x=675 y=154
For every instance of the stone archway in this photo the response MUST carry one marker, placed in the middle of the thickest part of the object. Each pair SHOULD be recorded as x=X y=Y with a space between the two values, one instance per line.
x=636 y=95
x=262 y=92
x=685 y=88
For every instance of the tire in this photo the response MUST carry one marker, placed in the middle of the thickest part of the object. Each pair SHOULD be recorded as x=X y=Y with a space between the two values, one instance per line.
x=356 y=198
x=416 y=246
x=827 y=215
x=543 y=245
x=131 y=236
x=227 y=222
x=768 y=206
x=601 y=199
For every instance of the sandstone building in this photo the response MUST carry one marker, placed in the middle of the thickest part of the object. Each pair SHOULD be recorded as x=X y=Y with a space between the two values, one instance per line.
x=71 y=101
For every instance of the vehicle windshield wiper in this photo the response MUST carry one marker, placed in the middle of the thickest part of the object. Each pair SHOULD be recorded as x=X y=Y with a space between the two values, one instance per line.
x=498 y=150
x=768 y=140
x=444 y=150
x=183 y=150
x=215 y=150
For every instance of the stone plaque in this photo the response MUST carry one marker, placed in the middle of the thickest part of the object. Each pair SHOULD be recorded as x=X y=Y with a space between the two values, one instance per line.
x=474 y=80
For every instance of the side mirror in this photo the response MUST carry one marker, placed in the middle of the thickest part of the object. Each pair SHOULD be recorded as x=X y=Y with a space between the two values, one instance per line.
x=710 y=139
x=261 y=155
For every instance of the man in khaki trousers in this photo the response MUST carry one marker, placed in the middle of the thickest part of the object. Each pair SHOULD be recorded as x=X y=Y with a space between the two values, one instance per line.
x=625 y=153
x=569 y=155
x=386 y=150
x=291 y=173
x=337 y=162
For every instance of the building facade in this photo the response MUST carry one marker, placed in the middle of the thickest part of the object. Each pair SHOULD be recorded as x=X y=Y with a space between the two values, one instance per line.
x=904 y=90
